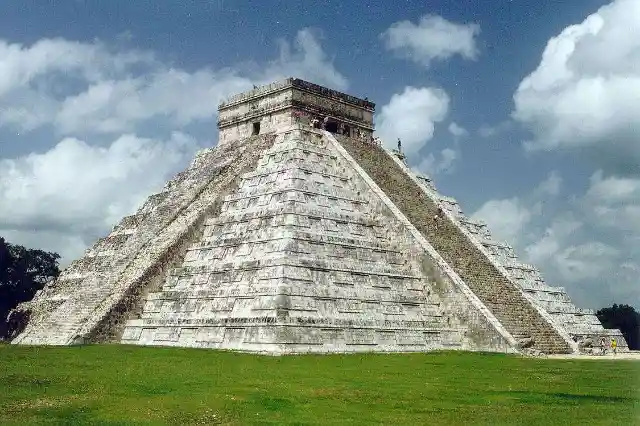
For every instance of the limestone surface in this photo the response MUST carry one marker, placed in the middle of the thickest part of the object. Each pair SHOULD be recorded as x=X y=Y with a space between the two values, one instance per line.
x=300 y=233
x=305 y=257
x=94 y=296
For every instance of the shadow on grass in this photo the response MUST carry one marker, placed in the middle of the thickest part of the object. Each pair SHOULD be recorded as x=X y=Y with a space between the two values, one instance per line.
x=23 y=380
x=275 y=404
x=564 y=398
x=147 y=389
x=70 y=415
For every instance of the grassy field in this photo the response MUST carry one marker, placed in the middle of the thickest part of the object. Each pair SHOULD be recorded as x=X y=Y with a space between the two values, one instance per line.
x=122 y=385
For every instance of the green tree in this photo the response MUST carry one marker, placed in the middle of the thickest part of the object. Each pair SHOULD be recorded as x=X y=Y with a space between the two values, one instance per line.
x=22 y=273
x=624 y=318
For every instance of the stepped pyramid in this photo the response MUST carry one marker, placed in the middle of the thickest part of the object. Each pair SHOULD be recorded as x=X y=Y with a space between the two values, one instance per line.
x=300 y=233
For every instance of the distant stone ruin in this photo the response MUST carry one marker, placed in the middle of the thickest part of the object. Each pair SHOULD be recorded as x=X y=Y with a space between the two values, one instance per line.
x=300 y=233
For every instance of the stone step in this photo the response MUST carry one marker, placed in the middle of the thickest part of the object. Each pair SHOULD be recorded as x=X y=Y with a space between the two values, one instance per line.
x=499 y=294
x=163 y=227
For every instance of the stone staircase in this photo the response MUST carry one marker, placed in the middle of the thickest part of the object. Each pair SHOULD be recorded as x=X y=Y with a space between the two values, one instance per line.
x=120 y=267
x=499 y=294
x=303 y=258
x=582 y=326
x=77 y=310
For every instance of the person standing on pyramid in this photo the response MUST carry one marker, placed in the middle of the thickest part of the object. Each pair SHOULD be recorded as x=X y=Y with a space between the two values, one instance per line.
x=439 y=215
x=399 y=145
x=614 y=346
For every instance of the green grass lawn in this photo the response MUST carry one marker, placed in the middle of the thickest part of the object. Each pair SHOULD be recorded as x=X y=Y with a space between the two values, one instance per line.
x=121 y=385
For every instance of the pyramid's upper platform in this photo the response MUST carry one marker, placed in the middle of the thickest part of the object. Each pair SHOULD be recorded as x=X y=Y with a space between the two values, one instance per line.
x=263 y=109
x=297 y=83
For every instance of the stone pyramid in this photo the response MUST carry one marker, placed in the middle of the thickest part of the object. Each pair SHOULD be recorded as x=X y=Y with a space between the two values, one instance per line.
x=300 y=233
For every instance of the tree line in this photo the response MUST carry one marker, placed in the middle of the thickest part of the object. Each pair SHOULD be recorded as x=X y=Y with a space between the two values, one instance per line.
x=22 y=273
x=25 y=271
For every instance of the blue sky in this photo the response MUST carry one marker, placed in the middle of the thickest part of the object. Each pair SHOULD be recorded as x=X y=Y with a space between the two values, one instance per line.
x=526 y=112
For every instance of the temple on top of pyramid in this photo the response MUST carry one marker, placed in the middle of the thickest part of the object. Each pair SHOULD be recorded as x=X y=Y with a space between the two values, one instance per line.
x=266 y=109
x=300 y=233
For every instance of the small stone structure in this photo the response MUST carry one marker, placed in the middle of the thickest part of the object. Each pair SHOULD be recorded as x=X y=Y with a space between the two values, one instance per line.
x=300 y=233
x=292 y=101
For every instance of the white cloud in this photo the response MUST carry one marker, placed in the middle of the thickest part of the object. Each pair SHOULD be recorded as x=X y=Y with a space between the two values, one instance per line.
x=77 y=191
x=505 y=218
x=34 y=79
x=613 y=189
x=588 y=261
x=487 y=131
x=614 y=202
x=308 y=61
x=551 y=186
x=411 y=116
x=432 y=38
x=510 y=219
x=432 y=166
x=627 y=275
x=586 y=89
x=21 y=65
x=118 y=106
x=544 y=249
x=84 y=87
x=456 y=130
x=571 y=254
x=554 y=238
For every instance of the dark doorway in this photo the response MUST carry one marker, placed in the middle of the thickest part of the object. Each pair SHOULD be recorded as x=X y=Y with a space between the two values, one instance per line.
x=256 y=128
x=332 y=127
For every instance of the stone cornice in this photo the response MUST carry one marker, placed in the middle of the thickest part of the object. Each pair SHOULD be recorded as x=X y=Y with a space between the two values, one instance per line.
x=299 y=105
x=297 y=84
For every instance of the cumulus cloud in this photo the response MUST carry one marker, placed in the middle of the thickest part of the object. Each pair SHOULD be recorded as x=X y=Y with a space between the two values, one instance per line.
x=34 y=79
x=585 y=91
x=510 y=219
x=21 y=64
x=488 y=131
x=587 y=261
x=506 y=218
x=431 y=165
x=571 y=253
x=432 y=38
x=554 y=239
x=78 y=191
x=85 y=87
x=456 y=130
x=411 y=116
x=307 y=60
x=614 y=202
x=552 y=185
x=118 y=106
